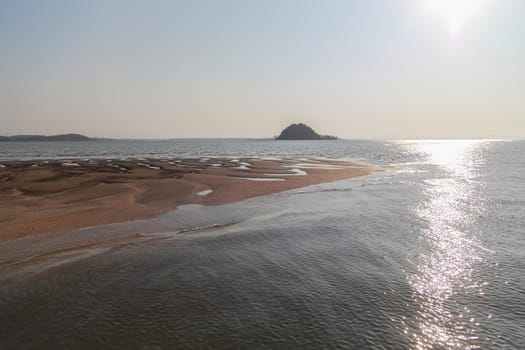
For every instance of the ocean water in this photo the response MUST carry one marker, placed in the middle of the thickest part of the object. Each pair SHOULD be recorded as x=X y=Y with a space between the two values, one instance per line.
x=428 y=254
x=370 y=151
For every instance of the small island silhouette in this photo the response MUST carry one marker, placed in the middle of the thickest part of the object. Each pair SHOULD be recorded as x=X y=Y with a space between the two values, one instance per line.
x=302 y=131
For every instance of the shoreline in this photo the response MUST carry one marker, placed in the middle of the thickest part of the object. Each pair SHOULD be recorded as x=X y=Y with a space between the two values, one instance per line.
x=46 y=196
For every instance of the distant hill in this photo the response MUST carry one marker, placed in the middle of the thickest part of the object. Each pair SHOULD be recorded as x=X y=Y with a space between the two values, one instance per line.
x=302 y=131
x=63 y=137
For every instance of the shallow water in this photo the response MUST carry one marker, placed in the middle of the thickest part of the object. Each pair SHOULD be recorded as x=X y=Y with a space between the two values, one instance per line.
x=428 y=254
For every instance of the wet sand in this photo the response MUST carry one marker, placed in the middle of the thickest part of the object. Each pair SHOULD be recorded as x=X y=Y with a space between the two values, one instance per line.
x=57 y=195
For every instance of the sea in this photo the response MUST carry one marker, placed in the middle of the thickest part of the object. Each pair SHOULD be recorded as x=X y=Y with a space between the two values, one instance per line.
x=428 y=253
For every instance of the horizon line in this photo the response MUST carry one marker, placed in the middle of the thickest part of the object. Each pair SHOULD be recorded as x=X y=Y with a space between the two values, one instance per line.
x=101 y=138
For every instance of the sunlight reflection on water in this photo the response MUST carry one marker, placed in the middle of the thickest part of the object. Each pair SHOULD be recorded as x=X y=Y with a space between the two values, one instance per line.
x=444 y=268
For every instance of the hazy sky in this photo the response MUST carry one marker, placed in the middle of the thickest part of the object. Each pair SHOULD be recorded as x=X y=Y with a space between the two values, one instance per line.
x=242 y=68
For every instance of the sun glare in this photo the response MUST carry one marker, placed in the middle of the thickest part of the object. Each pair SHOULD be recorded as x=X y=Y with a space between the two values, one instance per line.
x=455 y=13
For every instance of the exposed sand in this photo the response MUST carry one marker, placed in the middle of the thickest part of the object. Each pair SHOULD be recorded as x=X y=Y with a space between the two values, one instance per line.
x=49 y=196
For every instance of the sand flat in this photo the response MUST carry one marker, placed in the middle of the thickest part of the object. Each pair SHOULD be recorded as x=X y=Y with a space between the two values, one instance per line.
x=53 y=197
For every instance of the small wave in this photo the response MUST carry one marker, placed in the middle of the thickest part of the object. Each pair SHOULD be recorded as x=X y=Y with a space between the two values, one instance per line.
x=410 y=171
x=188 y=230
x=322 y=190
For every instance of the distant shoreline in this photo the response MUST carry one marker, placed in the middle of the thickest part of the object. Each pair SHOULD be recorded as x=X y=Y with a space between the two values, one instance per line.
x=82 y=138
x=50 y=138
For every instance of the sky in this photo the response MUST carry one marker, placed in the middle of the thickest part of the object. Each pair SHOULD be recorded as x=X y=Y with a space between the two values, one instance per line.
x=364 y=69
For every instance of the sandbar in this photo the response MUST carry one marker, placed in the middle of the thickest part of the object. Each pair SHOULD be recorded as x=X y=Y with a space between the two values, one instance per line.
x=45 y=196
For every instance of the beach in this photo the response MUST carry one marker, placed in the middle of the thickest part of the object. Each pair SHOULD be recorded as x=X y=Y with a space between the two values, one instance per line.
x=44 y=196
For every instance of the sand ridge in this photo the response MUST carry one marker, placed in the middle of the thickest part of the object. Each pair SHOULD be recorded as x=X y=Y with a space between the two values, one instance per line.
x=57 y=195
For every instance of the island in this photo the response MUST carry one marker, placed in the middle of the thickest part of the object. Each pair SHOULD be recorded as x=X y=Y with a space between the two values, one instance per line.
x=62 y=137
x=302 y=131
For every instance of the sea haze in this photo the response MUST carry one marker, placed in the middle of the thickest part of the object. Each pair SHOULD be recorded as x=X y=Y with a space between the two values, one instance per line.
x=427 y=254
